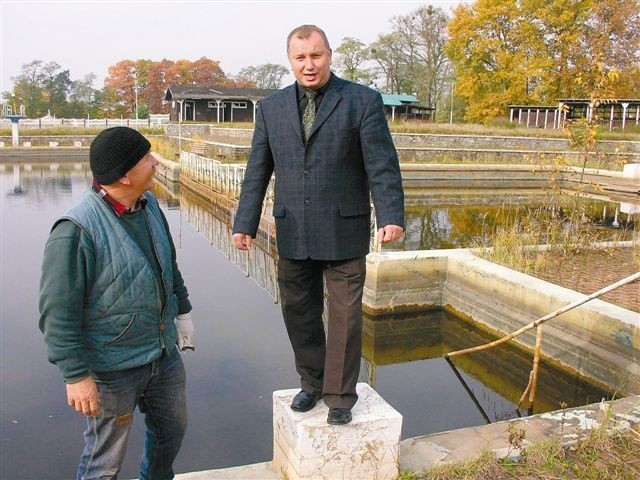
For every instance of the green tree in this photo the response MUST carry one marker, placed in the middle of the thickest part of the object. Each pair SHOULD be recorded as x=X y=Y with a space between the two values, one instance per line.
x=267 y=75
x=351 y=60
x=55 y=88
x=81 y=97
x=36 y=87
x=387 y=52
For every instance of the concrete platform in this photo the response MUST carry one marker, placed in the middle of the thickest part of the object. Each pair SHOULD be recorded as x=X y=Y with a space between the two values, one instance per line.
x=307 y=448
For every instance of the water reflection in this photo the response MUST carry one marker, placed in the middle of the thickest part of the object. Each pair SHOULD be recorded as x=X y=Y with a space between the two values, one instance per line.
x=213 y=218
x=442 y=225
x=395 y=339
x=242 y=352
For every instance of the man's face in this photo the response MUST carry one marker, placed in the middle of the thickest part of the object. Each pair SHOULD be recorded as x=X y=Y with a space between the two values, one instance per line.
x=310 y=60
x=142 y=174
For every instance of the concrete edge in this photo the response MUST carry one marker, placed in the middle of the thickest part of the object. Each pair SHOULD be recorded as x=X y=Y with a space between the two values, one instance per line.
x=568 y=426
x=421 y=453
x=255 y=471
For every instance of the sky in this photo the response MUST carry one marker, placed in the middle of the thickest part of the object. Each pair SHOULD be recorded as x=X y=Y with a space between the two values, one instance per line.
x=88 y=36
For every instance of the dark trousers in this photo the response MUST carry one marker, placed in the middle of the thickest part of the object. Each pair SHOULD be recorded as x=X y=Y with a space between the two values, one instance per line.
x=327 y=363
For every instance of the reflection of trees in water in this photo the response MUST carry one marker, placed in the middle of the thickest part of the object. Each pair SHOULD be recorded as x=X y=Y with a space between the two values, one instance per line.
x=493 y=379
x=213 y=219
x=44 y=182
x=464 y=226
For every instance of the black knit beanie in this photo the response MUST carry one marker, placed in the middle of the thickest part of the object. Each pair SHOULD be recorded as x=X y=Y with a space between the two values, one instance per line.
x=114 y=152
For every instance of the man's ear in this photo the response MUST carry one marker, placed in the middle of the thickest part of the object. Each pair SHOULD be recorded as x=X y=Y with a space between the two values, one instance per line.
x=125 y=180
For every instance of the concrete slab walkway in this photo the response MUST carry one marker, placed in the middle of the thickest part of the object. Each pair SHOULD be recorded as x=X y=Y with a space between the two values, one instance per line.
x=420 y=453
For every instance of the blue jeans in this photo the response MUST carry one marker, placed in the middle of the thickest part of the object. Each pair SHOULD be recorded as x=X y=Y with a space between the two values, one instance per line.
x=158 y=389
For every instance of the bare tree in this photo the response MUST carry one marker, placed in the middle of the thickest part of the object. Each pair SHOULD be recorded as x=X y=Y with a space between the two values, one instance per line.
x=421 y=37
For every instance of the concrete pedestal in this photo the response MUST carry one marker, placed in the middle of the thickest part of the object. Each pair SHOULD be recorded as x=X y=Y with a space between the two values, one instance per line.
x=631 y=170
x=306 y=447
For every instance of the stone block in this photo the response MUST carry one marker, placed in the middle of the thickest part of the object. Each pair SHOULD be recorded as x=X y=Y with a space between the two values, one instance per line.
x=306 y=447
x=631 y=170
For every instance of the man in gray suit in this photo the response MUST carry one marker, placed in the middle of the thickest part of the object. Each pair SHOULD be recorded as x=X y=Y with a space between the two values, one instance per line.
x=328 y=143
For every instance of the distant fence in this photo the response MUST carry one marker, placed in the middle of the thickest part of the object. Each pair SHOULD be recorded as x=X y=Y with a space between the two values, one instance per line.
x=49 y=122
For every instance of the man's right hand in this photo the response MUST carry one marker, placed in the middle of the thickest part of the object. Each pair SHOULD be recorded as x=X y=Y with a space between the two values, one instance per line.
x=242 y=241
x=83 y=396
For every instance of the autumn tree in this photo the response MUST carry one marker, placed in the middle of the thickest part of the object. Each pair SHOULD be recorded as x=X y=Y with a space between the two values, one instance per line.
x=120 y=89
x=267 y=75
x=207 y=73
x=531 y=51
x=160 y=76
x=605 y=31
x=150 y=80
x=489 y=62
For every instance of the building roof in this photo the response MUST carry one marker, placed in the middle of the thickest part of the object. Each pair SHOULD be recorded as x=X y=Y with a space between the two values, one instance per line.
x=394 y=100
x=257 y=94
x=216 y=93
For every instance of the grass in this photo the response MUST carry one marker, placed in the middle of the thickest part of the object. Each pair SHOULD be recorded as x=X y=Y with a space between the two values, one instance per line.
x=164 y=147
x=600 y=455
x=498 y=128
x=503 y=128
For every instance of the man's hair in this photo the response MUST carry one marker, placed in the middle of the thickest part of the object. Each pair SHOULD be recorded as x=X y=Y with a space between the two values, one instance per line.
x=305 y=31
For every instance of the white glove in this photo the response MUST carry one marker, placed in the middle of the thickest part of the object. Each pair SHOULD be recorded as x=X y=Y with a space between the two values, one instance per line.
x=184 y=325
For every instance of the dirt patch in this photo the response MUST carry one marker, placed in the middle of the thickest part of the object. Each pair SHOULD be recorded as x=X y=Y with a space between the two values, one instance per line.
x=591 y=270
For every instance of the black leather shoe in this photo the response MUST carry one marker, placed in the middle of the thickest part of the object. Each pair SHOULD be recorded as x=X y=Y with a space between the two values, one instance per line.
x=339 y=416
x=305 y=401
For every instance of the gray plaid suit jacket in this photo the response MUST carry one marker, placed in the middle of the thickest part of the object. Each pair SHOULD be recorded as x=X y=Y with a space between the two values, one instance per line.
x=322 y=189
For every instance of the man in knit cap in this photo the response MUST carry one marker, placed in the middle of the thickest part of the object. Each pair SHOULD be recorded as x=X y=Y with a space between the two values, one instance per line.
x=114 y=311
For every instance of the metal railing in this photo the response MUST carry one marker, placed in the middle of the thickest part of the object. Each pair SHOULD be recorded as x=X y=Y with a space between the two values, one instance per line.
x=50 y=122
x=226 y=179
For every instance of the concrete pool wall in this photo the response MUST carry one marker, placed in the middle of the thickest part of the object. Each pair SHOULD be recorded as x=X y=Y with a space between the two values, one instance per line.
x=597 y=340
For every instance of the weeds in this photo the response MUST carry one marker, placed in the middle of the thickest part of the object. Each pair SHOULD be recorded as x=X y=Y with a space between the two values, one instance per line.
x=600 y=455
x=164 y=147
x=561 y=230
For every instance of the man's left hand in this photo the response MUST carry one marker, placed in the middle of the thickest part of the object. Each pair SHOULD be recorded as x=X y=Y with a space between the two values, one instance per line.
x=184 y=325
x=389 y=233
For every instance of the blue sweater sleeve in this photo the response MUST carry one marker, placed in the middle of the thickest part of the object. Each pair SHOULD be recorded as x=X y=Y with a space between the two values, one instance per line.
x=67 y=267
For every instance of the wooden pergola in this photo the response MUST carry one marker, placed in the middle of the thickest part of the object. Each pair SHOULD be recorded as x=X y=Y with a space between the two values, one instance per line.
x=618 y=113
